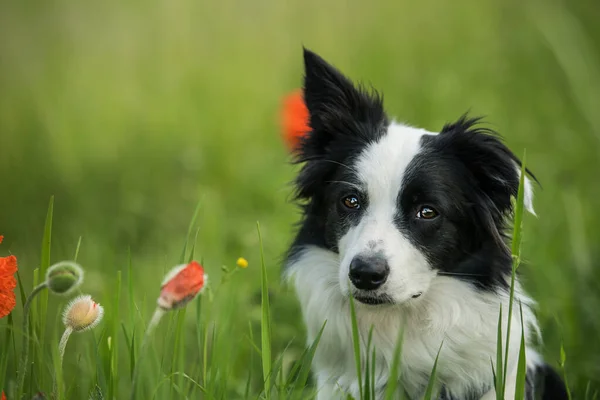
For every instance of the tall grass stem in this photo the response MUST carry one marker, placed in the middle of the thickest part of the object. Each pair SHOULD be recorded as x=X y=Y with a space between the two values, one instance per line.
x=156 y=317
x=26 y=336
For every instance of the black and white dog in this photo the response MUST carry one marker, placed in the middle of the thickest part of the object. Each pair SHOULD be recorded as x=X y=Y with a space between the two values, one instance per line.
x=412 y=225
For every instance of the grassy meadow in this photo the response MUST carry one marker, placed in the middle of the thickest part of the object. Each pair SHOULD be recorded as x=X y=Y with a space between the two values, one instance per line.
x=132 y=113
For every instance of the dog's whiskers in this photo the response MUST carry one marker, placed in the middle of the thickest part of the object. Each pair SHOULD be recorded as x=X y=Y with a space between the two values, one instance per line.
x=354 y=185
x=458 y=274
x=341 y=164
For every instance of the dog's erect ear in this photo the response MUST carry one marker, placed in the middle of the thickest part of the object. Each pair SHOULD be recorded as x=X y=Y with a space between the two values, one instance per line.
x=343 y=119
x=495 y=168
x=337 y=108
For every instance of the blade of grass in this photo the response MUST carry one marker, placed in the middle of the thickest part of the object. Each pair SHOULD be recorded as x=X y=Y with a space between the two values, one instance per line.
x=21 y=290
x=8 y=337
x=31 y=336
x=77 y=249
x=516 y=257
x=373 y=355
x=249 y=380
x=277 y=367
x=495 y=377
x=170 y=376
x=100 y=377
x=59 y=385
x=168 y=338
x=392 y=384
x=43 y=297
x=214 y=370
x=306 y=362
x=114 y=361
x=189 y=232
x=588 y=388
x=367 y=386
x=178 y=360
x=130 y=291
x=193 y=249
x=498 y=383
x=563 y=359
x=132 y=355
x=205 y=356
x=356 y=344
x=522 y=365
x=127 y=339
x=265 y=323
x=281 y=380
x=202 y=337
x=431 y=384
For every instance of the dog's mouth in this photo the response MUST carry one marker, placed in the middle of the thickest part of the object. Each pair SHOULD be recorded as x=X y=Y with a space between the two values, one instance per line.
x=373 y=300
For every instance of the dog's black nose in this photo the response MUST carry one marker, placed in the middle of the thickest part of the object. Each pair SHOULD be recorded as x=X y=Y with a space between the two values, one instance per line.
x=368 y=273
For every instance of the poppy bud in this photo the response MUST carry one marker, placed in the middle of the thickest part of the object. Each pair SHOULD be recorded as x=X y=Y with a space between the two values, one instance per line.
x=82 y=313
x=181 y=285
x=64 y=277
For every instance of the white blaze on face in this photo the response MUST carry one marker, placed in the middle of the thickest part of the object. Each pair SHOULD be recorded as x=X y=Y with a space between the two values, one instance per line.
x=381 y=168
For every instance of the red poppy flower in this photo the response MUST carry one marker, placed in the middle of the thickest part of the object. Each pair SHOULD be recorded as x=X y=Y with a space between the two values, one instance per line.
x=1 y=238
x=294 y=119
x=8 y=268
x=3 y=397
x=181 y=285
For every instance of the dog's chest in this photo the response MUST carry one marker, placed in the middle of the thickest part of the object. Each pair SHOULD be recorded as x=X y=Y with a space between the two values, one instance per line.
x=463 y=363
x=466 y=336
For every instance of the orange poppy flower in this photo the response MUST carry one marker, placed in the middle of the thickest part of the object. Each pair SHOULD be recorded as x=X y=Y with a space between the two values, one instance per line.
x=8 y=268
x=181 y=285
x=1 y=238
x=294 y=119
x=3 y=397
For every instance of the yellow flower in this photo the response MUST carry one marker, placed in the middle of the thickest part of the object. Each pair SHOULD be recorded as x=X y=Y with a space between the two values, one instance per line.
x=242 y=262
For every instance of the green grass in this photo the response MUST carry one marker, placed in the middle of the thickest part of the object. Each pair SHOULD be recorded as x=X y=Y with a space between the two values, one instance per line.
x=130 y=113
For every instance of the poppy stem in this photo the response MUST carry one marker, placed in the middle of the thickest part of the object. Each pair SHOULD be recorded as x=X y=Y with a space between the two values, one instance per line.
x=63 y=344
x=61 y=351
x=156 y=317
x=26 y=336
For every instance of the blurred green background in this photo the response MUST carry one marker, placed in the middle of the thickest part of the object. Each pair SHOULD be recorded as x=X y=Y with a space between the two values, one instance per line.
x=130 y=112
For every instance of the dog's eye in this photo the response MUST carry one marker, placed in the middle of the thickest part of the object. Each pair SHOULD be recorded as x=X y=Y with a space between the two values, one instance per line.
x=427 y=212
x=351 y=202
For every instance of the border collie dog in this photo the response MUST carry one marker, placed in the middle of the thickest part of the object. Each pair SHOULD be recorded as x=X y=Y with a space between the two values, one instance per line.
x=412 y=225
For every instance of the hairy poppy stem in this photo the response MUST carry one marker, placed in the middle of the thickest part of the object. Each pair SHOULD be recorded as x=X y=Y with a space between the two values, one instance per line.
x=61 y=351
x=25 y=346
x=158 y=313
x=63 y=344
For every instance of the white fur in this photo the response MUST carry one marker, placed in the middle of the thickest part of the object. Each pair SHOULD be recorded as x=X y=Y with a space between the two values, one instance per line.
x=449 y=311
x=380 y=169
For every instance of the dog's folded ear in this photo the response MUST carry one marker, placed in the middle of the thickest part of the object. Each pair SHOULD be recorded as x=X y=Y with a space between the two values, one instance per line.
x=495 y=168
x=338 y=109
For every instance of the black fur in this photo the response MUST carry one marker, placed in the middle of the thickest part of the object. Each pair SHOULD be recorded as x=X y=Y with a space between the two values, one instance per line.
x=469 y=176
x=344 y=119
x=544 y=383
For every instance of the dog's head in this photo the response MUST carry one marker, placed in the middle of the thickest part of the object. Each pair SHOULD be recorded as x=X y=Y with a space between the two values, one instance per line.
x=400 y=205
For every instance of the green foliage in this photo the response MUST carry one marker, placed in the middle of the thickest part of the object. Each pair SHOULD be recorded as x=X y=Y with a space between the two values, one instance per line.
x=356 y=343
x=130 y=112
x=522 y=364
x=429 y=392
x=265 y=321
